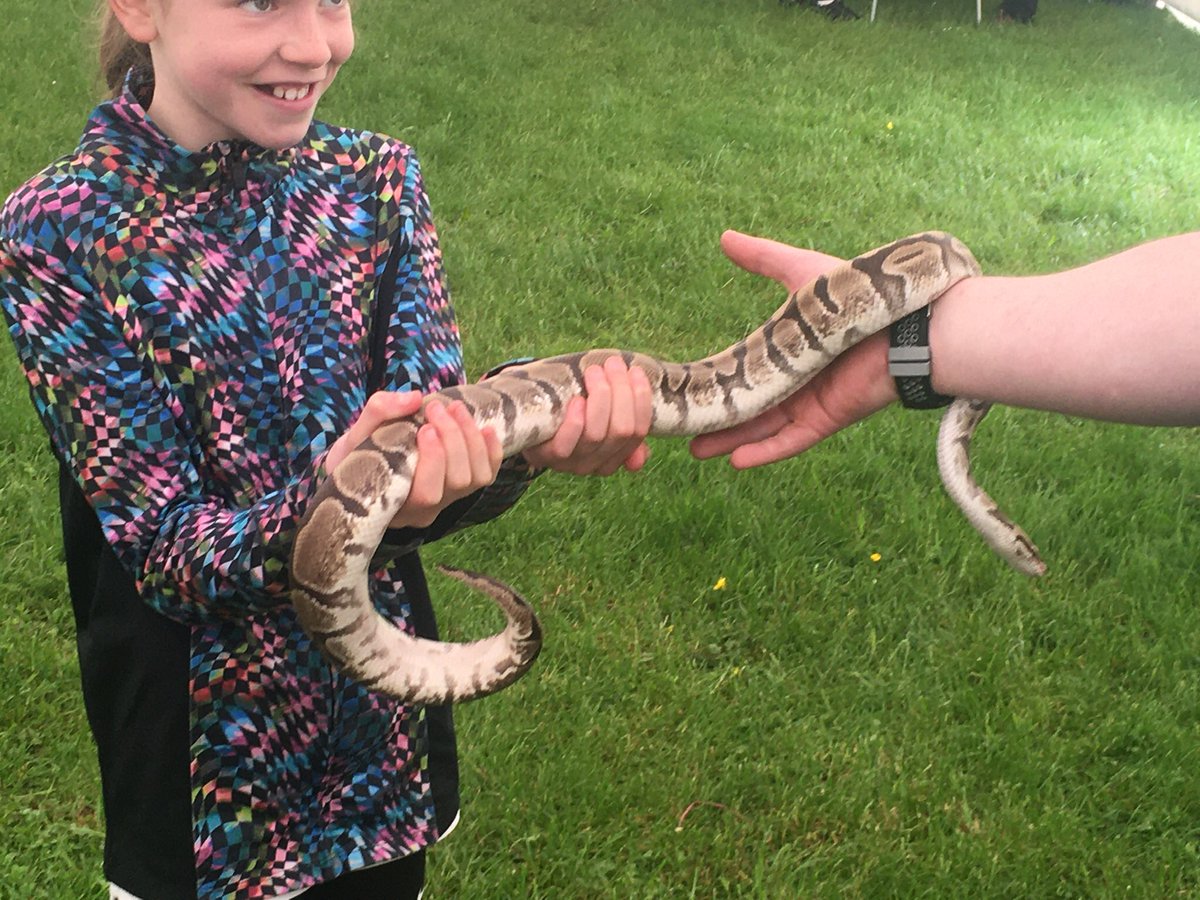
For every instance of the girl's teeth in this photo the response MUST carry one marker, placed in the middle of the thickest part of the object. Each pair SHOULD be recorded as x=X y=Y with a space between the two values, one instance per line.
x=291 y=93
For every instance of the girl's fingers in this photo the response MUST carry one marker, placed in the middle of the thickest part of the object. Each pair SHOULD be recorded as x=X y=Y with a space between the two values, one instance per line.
x=429 y=479
x=637 y=460
x=600 y=435
x=483 y=455
x=495 y=453
x=598 y=408
x=381 y=407
x=454 y=458
x=621 y=415
x=458 y=465
x=566 y=439
x=643 y=417
x=643 y=399
x=618 y=440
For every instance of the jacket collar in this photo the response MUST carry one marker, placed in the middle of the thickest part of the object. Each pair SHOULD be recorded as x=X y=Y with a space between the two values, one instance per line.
x=226 y=178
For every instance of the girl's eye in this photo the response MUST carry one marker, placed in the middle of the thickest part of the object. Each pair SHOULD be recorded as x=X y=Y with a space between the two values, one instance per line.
x=260 y=6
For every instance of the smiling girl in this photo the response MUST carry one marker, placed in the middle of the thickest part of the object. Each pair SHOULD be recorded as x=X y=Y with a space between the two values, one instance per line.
x=214 y=299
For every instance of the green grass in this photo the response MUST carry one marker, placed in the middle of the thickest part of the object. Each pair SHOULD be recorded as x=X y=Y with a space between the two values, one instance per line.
x=825 y=725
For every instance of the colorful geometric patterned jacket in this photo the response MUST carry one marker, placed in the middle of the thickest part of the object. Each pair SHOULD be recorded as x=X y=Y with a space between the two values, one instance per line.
x=196 y=329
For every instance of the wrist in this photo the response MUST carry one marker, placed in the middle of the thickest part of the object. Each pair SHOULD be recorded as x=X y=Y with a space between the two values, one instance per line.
x=949 y=362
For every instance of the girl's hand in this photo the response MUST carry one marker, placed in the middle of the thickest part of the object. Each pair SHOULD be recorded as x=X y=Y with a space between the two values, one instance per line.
x=605 y=432
x=455 y=458
x=852 y=387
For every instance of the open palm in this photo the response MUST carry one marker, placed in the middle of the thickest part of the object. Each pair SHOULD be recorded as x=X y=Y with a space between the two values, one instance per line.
x=852 y=387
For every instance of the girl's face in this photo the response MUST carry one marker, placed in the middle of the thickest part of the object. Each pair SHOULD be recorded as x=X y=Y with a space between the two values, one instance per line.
x=244 y=69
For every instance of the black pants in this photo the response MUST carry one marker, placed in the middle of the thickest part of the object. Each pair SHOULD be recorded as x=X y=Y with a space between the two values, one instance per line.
x=399 y=880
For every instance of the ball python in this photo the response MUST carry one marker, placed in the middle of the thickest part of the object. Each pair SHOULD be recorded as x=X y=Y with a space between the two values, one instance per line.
x=349 y=512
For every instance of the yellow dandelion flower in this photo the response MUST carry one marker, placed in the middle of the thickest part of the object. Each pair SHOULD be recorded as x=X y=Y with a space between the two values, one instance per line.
x=720 y=585
x=876 y=557
x=890 y=126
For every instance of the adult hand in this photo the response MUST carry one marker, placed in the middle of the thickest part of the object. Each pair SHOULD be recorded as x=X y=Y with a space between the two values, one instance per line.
x=605 y=432
x=852 y=387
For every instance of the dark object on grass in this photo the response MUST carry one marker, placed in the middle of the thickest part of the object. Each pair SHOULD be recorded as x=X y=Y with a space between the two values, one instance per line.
x=835 y=9
x=1018 y=11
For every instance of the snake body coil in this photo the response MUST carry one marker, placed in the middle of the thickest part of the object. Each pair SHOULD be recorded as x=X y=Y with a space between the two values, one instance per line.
x=351 y=510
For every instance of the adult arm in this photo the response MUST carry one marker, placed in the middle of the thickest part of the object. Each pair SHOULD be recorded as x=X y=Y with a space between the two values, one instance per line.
x=1117 y=339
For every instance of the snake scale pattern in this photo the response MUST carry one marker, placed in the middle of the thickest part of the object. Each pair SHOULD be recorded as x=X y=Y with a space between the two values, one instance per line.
x=346 y=520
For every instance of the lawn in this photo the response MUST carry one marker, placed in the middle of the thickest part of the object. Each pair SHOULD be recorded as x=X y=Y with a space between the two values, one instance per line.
x=824 y=723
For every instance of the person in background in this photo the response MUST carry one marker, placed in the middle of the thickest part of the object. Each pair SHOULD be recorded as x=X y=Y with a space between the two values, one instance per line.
x=1021 y=11
x=835 y=9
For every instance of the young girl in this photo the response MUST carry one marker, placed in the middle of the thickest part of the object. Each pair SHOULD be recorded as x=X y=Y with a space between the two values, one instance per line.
x=203 y=297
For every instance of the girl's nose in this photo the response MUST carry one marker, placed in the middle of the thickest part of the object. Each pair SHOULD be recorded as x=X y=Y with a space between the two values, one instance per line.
x=307 y=42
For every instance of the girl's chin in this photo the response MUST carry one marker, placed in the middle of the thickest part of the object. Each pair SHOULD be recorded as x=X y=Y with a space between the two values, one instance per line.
x=279 y=138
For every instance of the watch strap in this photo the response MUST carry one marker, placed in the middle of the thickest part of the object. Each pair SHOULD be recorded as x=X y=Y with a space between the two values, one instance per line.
x=910 y=363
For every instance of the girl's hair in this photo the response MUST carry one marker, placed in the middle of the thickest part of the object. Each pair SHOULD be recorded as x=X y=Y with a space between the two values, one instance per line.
x=118 y=51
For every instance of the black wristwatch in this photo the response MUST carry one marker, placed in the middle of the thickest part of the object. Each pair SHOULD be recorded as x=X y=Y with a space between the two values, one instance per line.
x=910 y=363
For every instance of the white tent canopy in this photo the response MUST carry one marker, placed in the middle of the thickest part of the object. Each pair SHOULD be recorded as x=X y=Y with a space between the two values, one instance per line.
x=1186 y=11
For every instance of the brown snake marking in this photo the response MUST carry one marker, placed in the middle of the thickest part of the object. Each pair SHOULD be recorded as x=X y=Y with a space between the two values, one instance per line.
x=347 y=517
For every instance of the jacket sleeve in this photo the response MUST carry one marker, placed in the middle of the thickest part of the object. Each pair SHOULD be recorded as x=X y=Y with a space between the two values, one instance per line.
x=114 y=421
x=423 y=350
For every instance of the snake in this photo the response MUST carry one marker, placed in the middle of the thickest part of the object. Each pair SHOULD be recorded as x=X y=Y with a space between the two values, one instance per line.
x=348 y=514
